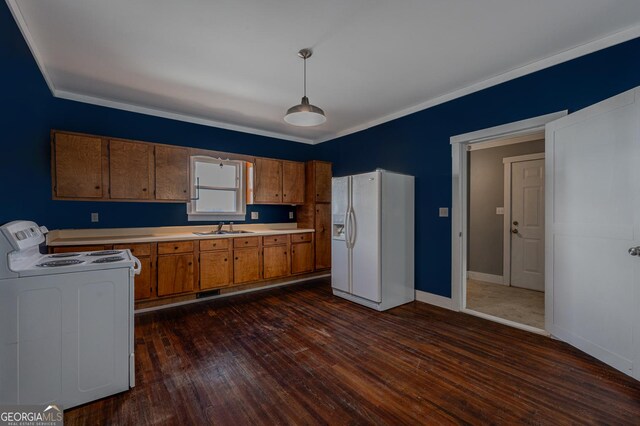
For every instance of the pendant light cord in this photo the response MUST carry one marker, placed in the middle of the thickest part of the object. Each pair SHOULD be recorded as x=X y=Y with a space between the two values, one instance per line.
x=305 y=77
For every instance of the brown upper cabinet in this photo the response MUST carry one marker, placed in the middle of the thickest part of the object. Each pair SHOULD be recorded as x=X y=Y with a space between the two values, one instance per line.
x=86 y=167
x=278 y=182
x=79 y=166
x=322 y=182
x=292 y=182
x=172 y=173
x=130 y=170
x=267 y=181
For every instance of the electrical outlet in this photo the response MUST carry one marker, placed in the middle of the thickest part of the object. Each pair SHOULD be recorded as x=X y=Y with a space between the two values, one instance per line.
x=290 y=215
x=254 y=215
x=443 y=211
x=94 y=217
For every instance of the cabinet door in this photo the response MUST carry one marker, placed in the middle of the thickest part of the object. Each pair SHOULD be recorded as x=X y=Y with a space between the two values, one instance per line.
x=215 y=269
x=323 y=236
x=275 y=261
x=142 y=282
x=246 y=265
x=301 y=257
x=292 y=182
x=175 y=274
x=172 y=173
x=268 y=181
x=78 y=166
x=323 y=181
x=130 y=170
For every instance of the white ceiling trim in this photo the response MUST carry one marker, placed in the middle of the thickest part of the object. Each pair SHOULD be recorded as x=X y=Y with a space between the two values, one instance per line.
x=593 y=46
x=567 y=55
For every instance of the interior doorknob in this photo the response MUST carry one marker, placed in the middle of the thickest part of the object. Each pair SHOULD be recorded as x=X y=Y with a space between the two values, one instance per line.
x=634 y=251
x=514 y=231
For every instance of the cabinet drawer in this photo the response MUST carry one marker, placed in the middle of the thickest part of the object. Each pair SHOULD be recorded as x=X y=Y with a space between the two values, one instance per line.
x=136 y=249
x=301 y=238
x=219 y=244
x=245 y=242
x=272 y=240
x=175 y=247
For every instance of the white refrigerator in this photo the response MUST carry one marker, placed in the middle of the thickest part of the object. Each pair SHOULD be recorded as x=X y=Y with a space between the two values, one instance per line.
x=372 y=247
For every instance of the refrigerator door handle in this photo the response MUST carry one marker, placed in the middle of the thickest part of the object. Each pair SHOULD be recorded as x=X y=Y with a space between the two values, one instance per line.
x=346 y=228
x=353 y=228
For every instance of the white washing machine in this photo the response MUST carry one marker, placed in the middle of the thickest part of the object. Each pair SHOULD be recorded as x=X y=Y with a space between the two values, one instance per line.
x=66 y=321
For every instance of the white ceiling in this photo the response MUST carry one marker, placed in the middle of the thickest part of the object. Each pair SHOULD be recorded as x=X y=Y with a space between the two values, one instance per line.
x=233 y=63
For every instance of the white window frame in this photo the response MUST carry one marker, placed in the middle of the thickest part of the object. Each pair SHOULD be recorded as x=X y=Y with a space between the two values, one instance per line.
x=241 y=199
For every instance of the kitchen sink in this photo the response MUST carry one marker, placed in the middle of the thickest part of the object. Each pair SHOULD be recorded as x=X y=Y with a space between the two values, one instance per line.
x=222 y=233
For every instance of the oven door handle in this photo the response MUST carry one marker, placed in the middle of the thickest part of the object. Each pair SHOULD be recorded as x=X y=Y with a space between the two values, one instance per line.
x=138 y=266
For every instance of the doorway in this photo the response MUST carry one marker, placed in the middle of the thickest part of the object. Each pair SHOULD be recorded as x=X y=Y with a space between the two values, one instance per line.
x=505 y=274
x=498 y=267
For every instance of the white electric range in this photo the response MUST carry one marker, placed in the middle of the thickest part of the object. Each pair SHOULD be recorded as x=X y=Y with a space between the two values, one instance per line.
x=66 y=321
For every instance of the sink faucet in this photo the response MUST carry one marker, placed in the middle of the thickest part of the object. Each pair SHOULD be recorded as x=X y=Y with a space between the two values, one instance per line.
x=220 y=225
x=230 y=226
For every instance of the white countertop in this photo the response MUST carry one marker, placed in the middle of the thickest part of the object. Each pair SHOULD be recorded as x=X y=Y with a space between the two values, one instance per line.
x=73 y=237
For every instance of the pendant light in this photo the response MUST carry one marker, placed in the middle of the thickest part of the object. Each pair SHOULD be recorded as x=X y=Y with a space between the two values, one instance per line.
x=305 y=114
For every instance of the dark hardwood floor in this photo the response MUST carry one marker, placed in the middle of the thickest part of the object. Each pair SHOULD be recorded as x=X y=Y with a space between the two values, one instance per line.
x=298 y=355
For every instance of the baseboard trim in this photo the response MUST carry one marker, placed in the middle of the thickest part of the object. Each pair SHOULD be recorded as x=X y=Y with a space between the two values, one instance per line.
x=435 y=299
x=488 y=278
x=222 y=296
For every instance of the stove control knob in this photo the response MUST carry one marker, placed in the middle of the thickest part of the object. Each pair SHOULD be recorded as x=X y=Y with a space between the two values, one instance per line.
x=21 y=235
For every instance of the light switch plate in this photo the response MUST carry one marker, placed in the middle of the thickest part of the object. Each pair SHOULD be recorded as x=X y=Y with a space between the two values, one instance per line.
x=94 y=217
x=254 y=215
x=499 y=210
x=290 y=215
x=443 y=211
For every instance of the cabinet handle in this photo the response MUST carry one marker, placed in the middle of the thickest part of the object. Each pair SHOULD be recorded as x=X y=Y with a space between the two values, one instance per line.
x=144 y=189
x=225 y=259
x=276 y=195
x=190 y=263
x=285 y=252
x=284 y=195
x=317 y=195
x=236 y=258
x=184 y=190
x=246 y=242
x=275 y=239
x=97 y=187
x=175 y=248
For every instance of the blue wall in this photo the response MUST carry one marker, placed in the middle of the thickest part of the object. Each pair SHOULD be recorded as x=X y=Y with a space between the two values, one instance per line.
x=29 y=112
x=418 y=144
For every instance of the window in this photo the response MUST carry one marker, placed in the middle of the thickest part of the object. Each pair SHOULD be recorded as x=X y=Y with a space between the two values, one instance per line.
x=217 y=189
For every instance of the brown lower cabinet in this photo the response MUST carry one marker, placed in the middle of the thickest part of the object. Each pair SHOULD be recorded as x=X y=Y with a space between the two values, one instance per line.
x=177 y=271
x=301 y=257
x=246 y=265
x=143 y=283
x=215 y=269
x=323 y=236
x=178 y=268
x=276 y=261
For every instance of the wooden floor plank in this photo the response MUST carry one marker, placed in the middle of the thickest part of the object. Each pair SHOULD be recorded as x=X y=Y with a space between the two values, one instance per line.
x=299 y=355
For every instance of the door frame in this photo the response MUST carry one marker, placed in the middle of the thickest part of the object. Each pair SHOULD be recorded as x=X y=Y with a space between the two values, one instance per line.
x=506 y=227
x=460 y=144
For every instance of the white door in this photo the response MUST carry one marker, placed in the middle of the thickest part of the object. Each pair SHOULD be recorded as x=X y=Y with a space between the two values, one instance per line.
x=365 y=241
x=593 y=219
x=527 y=224
x=340 y=254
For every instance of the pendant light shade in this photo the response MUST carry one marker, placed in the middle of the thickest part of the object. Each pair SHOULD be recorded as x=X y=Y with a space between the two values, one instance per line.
x=305 y=114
